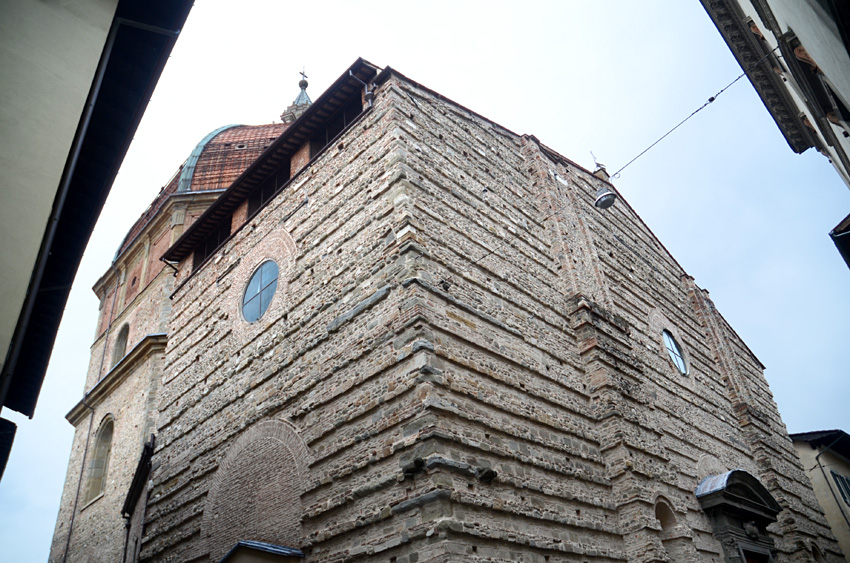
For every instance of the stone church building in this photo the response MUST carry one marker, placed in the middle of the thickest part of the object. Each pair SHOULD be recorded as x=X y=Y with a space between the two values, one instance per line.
x=389 y=329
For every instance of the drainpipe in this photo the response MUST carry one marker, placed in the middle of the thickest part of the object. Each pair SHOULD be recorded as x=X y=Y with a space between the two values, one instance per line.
x=79 y=482
x=170 y=265
x=126 y=536
x=367 y=95
x=828 y=484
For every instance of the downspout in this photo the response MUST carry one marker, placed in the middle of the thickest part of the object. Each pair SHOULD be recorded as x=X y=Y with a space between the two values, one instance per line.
x=367 y=94
x=79 y=482
x=170 y=265
x=126 y=535
x=828 y=484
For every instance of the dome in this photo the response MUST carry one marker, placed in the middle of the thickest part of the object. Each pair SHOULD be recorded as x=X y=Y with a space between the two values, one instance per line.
x=224 y=154
x=217 y=160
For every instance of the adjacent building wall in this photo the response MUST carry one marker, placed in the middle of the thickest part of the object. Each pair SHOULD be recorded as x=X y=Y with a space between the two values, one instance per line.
x=50 y=52
x=835 y=505
x=97 y=528
x=121 y=386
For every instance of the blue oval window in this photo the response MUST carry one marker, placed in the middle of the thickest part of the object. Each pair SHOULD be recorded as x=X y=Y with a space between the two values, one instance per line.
x=260 y=291
x=675 y=352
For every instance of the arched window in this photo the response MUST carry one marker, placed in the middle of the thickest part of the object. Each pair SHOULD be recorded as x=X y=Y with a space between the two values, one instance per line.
x=675 y=352
x=99 y=463
x=120 y=347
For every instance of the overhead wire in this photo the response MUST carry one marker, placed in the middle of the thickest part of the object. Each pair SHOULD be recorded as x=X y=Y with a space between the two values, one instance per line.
x=696 y=111
x=617 y=173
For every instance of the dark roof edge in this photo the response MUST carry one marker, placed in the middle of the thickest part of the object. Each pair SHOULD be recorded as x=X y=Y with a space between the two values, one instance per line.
x=88 y=176
x=834 y=440
x=742 y=42
x=814 y=435
x=264 y=547
x=183 y=247
x=840 y=236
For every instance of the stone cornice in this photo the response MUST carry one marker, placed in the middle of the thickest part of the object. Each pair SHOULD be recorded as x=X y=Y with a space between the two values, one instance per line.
x=157 y=223
x=149 y=345
x=744 y=44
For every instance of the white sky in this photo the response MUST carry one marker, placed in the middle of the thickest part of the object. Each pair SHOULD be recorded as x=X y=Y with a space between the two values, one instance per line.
x=735 y=206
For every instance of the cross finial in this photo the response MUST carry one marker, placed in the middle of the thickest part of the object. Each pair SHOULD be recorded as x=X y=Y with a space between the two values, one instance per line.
x=304 y=76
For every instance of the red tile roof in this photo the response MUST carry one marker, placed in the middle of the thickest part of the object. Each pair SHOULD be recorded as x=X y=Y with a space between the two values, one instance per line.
x=222 y=160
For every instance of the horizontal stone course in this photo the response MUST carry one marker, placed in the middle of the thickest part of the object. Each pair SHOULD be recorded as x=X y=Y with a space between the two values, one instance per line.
x=466 y=357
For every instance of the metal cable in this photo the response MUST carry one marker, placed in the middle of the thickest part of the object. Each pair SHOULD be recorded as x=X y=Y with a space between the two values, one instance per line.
x=696 y=111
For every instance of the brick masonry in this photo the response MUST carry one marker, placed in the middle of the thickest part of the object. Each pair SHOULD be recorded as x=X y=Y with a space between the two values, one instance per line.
x=463 y=361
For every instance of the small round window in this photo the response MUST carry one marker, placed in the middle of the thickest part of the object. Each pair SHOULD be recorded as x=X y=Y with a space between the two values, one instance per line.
x=260 y=291
x=675 y=352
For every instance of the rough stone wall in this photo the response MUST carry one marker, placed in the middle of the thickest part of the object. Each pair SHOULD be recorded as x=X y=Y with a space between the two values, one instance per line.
x=777 y=464
x=469 y=357
x=509 y=393
x=328 y=234
x=98 y=528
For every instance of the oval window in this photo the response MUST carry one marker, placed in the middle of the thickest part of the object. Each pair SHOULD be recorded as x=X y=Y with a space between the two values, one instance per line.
x=260 y=291
x=675 y=352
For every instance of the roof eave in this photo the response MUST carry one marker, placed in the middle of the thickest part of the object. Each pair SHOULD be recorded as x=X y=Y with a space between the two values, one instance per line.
x=731 y=23
x=297 y=133
x=840 y=236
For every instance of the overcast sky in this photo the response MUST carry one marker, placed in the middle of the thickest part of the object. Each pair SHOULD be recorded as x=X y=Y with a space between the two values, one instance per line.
x=725 y=194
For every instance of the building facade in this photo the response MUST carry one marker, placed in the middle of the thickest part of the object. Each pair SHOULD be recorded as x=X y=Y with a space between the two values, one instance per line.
x=826 y=459
x=405 y=333
x=796 y=54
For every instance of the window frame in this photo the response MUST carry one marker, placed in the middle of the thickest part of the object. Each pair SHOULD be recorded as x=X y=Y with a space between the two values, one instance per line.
x=272 y=186
x=843 y=484
x=261 y=288
x=675 y=352
x=210 y=245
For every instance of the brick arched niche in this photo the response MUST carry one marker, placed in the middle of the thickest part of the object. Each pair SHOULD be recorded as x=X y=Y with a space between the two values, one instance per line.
x=256 y=492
